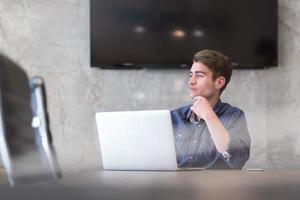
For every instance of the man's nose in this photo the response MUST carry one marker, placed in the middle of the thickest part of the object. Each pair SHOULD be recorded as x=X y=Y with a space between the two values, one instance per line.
x=192 y=80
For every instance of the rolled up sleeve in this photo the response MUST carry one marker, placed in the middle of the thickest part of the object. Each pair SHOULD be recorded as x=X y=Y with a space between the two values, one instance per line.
x=239 y=144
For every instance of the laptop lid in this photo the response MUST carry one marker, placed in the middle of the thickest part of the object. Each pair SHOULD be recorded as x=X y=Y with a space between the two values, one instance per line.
x=136 y=140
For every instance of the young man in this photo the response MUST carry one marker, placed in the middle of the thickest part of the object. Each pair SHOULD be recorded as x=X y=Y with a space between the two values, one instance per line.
x=209 y=133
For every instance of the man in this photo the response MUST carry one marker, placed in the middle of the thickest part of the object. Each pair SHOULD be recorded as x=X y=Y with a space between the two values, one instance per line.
x=208 y=132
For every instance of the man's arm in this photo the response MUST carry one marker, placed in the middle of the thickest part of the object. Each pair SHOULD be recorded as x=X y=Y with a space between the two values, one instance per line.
x=232 y=136
x=218 y=133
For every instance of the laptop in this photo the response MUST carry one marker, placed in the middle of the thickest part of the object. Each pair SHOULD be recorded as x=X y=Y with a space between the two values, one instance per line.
x=137 y=140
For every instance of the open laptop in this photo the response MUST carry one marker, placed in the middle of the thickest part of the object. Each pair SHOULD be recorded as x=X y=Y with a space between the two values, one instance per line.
x=137 y=140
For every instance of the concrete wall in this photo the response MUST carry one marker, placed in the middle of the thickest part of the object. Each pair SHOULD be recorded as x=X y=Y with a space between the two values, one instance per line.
x=51 y=39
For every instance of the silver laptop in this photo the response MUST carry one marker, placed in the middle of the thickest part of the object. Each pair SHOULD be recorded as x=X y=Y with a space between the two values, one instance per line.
x=136 y=140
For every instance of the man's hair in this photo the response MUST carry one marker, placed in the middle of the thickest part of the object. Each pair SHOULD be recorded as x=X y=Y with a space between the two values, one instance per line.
x=217 y=62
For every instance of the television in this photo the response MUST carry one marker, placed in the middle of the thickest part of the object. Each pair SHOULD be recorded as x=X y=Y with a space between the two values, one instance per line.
x=167 y=33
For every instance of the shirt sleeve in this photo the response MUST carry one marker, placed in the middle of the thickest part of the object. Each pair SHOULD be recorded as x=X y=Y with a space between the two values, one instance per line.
x=239 y=144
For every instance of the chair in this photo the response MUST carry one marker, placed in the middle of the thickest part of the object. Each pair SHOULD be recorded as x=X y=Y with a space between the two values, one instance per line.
x=25 y=139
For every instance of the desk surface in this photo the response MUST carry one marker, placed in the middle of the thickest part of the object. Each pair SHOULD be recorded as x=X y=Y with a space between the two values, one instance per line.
x=162 y=185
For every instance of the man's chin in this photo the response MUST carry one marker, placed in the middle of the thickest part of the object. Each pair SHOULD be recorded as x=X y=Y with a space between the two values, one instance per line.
x=193 y=95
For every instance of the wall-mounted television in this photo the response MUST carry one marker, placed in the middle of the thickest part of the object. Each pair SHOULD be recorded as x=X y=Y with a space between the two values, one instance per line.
x=166 y=33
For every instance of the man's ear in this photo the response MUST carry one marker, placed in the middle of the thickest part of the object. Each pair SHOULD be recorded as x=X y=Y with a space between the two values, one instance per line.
x=220 y=82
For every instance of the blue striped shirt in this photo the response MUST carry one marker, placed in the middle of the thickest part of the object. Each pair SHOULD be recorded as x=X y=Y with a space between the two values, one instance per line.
x=195 y=147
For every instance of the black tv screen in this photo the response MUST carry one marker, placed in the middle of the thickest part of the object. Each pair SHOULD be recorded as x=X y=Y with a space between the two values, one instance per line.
x=166 y=33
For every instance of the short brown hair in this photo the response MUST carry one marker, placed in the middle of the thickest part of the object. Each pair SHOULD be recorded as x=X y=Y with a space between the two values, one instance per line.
x=217 y=62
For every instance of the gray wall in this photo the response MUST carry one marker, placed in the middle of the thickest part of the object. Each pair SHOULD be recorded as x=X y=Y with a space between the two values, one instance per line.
x=51 y=39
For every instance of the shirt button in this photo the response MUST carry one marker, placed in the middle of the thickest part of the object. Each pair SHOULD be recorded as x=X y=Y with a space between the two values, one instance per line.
x=195 y=141
x=179 y=135
x=191 y=157
x=199 y=125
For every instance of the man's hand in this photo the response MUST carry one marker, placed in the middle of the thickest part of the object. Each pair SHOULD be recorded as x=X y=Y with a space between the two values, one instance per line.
x=201 y=107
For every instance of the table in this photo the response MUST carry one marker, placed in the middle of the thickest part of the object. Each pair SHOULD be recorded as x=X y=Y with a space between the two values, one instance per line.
x=208 y=185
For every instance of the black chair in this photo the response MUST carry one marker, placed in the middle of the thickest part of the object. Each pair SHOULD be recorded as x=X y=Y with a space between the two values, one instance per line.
x=25 y=140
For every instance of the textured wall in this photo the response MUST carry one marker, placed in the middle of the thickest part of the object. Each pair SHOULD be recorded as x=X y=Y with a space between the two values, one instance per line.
x=51 y=39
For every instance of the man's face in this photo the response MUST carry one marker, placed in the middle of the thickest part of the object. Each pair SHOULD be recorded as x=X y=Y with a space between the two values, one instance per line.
x=201 y=81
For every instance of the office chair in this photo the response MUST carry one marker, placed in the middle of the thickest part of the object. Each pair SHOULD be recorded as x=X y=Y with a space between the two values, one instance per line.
x=25 y=139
